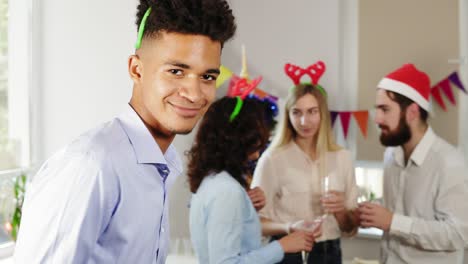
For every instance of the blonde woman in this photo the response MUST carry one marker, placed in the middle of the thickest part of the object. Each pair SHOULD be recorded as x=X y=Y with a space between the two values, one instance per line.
x=292 y=172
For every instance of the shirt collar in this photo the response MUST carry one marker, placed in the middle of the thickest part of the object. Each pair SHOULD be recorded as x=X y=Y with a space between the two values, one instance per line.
x=420 y=152
x=145 y=147
x=295 y=147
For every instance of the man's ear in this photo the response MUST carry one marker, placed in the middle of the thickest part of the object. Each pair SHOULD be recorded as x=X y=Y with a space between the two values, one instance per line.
x=412 y=112
x=135 y=68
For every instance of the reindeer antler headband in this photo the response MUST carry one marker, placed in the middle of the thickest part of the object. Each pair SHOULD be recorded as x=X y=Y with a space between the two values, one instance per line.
x=314 y=71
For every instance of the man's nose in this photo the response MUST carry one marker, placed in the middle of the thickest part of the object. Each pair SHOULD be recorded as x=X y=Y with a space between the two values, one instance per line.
x=191 y=89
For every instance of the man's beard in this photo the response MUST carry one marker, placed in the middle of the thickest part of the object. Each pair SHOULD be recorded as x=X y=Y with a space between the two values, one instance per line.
x=397 y=137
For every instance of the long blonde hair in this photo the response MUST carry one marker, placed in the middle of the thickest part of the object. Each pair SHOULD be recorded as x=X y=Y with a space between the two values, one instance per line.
x=324 y=138
x=286 y=133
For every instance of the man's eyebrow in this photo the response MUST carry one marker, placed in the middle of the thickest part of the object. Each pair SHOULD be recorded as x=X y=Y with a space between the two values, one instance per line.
x=216 y=71
x=380 y=106
x=185 y=66
x=178 y=64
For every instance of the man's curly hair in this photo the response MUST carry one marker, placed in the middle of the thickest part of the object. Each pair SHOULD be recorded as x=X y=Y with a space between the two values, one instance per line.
x=221 y=145
x=212 y=18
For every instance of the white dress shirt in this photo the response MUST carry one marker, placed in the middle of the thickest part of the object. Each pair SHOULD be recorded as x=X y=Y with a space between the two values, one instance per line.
x=428 y=197
x=293 y=187
x=100 y=200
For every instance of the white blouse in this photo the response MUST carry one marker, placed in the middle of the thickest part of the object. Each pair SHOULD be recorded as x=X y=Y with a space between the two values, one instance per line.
x=293 y=187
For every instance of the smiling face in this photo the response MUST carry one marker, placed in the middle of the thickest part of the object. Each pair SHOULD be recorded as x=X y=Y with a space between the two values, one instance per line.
x=174 y=79
x=305 y=116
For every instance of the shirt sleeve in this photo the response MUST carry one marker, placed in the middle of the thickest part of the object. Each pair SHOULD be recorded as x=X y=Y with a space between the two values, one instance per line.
x=225 y=220
x=449 y=230
x=66 y=208
x=265 y=177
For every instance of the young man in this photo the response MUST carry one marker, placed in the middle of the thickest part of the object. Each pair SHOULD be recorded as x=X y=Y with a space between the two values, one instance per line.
x=103 y=198
x=424 y=215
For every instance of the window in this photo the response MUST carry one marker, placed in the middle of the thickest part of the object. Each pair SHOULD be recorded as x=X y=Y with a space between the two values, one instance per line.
x=15 y=57
x=14 y=83
x=6 y=161
x=369 y=178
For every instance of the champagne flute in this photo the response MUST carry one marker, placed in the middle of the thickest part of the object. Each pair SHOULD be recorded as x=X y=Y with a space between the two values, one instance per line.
x=325 y=190
x=325 y=193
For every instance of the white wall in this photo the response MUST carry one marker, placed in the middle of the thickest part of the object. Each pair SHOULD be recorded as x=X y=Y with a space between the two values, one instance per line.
x=463 y=105
x=277 y=32
x=81 y=62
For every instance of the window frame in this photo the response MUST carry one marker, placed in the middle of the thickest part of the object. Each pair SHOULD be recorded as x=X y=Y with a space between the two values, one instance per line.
x=20 y=36
x=20 y=77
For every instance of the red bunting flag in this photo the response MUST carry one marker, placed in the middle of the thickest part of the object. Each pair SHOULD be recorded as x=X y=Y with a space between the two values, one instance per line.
x=345 y=117
x=438 y=98
x=447 y=89
x=361 y=118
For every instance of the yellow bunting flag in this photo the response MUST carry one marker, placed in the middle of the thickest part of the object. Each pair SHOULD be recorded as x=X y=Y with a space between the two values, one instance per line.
x=224 y=75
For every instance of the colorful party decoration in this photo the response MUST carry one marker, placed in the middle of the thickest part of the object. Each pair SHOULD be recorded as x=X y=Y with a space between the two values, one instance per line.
x=453 y=77
x=362 y=118
x=241 y=89
x=314 y=71
x=333 y=116
x=244 y=71
x=445 y=87
x=345 y=117
x=241 y=86
x=224 y=75
x=227 y=74
x=438 y=98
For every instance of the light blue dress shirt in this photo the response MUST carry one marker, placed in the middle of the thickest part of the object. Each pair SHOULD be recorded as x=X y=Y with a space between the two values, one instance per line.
x=101 y=199
x=225 y=227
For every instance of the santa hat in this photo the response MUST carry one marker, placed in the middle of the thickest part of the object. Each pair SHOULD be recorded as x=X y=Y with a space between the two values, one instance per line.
x=409 y=82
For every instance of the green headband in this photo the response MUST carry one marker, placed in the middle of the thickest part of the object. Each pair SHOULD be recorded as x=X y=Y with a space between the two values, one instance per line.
x=141 y=28
x=237 y=109
x=320 y=88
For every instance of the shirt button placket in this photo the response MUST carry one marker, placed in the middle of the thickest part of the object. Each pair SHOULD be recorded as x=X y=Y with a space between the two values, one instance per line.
x=164 y=173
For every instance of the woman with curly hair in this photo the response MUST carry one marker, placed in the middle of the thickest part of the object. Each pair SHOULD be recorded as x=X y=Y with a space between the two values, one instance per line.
x=224 y=225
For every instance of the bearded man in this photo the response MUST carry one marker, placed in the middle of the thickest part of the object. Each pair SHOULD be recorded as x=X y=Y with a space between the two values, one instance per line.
x=424 y=214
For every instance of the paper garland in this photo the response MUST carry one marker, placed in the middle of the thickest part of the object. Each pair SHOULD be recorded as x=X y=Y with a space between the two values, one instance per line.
x=446 y=88
x=361 y=118
x=224 y=75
